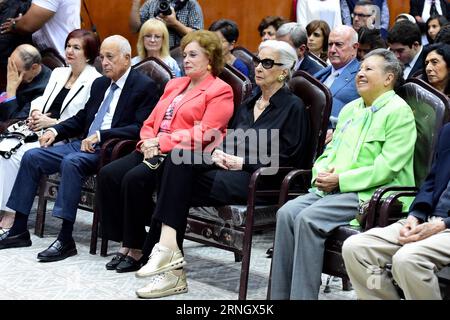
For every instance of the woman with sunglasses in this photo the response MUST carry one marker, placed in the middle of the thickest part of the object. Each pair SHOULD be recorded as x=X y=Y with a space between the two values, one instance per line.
x=153 y=41
x=269 y=129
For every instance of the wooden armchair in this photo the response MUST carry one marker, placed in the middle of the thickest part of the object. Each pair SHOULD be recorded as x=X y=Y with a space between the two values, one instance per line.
x=52 y=59
x=431 y=110
x=231 y=227
x=247 y=57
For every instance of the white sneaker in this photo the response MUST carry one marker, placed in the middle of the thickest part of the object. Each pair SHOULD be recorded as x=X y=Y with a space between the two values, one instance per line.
x=161 y=259
x=163 y=285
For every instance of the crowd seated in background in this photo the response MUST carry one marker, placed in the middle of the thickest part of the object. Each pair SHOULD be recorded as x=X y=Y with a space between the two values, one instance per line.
x=228 y=33
x=268 y=27
x=153 y=41
x=192 y=112
x=26 y=80
x=118 y=104
x=437 y=67
x=180 y=18
x=49 y=21
x=223 y=177
x=318 y=32
x=295 y=34
x=416 y=247
x=66 y=93
x=372 y=146
x=369 y=39
x=405 y=41
x=422 y=10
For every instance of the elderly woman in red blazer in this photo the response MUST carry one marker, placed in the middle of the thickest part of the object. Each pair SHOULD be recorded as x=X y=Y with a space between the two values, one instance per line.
x=190 y=109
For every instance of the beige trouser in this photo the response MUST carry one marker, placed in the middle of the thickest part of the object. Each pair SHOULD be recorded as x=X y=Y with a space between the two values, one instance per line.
x=414 y=265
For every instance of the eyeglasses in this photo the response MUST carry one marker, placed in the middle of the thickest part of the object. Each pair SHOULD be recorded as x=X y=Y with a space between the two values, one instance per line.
x=266 y=63
x=155 y=37
x=361 y=15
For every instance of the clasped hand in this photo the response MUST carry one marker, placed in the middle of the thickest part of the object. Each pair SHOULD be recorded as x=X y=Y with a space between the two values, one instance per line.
x=227 y=161
x=150 y=148
x=327 y=181
x=412 y=231
x=38 y=121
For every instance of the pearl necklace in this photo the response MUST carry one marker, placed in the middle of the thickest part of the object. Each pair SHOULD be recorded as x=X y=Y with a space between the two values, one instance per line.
x=259 y=103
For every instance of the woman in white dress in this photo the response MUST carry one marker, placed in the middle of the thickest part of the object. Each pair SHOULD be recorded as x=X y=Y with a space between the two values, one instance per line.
x=153 y=41
x=66 y=93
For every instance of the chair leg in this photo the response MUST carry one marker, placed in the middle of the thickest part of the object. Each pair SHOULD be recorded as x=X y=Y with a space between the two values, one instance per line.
x=346 y=284
x=40 y=217
x=327 y=285
x=104 y=247
x=237 y=257
x=94 y=233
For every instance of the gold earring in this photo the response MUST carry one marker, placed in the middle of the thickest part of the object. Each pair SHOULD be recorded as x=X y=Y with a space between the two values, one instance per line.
x=209 y=68
x=281 y=78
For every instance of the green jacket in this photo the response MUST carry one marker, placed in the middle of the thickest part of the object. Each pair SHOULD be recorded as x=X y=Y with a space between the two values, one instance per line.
x=376 y=152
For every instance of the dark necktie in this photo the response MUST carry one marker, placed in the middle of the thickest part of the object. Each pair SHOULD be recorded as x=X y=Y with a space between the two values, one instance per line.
x=433 y=10
x=97 y=123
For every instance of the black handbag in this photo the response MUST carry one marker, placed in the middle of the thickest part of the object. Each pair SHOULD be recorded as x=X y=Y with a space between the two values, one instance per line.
x=14 y=137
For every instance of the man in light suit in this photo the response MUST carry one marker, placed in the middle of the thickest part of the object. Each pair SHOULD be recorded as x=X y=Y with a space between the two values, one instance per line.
x=340 y=76
x=119 y=103
x=295 y=34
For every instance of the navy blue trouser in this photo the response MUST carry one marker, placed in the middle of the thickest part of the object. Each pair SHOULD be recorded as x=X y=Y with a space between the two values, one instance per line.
x=73 y=166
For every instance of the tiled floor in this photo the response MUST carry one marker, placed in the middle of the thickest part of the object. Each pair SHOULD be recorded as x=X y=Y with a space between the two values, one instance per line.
x=212 y=273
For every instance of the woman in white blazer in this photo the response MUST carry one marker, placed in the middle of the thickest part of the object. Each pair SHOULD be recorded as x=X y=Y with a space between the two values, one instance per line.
x=66 y=93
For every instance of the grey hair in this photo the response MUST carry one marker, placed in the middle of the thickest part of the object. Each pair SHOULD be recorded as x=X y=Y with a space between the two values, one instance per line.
x=296 y=32
x=29 y=55
x=287 y=54
x=392 y=64
x=122 y=43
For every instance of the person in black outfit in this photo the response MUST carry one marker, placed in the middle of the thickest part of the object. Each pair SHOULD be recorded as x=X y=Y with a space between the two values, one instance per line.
x=223 y=176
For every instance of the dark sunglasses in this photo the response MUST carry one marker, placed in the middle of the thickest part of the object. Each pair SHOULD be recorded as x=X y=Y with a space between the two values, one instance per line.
x=266 y=63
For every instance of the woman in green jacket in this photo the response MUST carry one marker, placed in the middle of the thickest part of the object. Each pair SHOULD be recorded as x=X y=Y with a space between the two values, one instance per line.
x=372 y=147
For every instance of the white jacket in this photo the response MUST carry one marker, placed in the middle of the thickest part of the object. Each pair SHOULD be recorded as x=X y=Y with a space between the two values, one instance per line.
x=76 y=98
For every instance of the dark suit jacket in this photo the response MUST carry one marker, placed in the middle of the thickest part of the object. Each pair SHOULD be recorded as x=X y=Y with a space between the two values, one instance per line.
x=310 y=65
x=343 y=88
x=418 y=65
x=137 y=99
x=19 y=108
x=436 y=181
x=416 y=8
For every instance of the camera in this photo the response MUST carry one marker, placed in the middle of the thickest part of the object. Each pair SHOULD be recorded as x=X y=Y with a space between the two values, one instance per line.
x=163 y=8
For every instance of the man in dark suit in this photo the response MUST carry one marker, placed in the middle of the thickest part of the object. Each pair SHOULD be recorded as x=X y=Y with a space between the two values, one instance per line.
x=404 y=40
x=295 y=34
x=119 y=103
x=27 y=79
x=426 y=230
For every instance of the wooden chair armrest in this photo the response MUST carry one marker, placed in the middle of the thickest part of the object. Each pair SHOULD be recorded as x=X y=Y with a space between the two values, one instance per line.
x=106 y=151
x=376 y=200
x=123 y=148
x=386 y=213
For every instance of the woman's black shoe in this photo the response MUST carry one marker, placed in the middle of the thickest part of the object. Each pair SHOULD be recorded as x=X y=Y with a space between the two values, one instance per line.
x=118 y=258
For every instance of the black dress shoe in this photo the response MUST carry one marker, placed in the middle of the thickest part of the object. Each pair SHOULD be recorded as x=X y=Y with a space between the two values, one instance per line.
x=58 y=250
x=118 y=258
x=130 y=264
x=269 y=252
x=17 y=241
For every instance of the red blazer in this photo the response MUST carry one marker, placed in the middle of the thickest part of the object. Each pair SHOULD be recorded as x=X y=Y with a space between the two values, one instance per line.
x=205 y=109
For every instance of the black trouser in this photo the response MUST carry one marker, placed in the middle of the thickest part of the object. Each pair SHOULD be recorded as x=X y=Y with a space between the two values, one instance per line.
x=124 y=199
x=182 y=186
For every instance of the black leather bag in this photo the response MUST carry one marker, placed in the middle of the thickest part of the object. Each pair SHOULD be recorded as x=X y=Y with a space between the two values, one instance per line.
x=14 y=137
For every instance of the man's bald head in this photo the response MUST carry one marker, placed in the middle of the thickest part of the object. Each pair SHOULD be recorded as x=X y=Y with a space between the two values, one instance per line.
x=27 y=60
x=342 y=45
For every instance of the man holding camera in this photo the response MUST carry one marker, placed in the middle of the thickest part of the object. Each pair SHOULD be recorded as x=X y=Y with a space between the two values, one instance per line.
x=180 y=16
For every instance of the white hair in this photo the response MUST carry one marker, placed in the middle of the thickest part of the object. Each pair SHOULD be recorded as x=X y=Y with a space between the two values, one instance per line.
x=287 y=54
x=121 y=42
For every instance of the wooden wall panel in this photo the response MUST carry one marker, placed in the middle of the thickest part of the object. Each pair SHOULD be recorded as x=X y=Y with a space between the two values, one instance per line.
x=396 y=7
